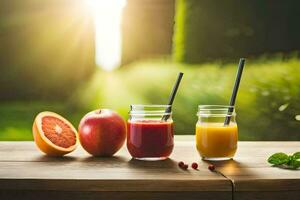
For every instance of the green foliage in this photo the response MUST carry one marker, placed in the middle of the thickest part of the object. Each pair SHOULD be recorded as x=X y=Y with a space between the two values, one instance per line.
x=46 y=48
x=17 y=117
x=267 y=104
x=211 y=29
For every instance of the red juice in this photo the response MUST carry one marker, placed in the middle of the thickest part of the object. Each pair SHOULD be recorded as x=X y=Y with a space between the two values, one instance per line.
x=150 y=139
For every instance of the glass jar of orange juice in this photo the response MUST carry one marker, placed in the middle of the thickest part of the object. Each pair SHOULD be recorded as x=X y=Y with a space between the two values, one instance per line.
x=216 y=139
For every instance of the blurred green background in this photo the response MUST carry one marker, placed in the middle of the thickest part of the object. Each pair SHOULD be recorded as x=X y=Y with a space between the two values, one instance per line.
x=48 y=54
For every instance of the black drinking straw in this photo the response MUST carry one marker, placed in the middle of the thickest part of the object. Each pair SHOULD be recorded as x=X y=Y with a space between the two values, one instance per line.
x=172 y=96
x=235 y=90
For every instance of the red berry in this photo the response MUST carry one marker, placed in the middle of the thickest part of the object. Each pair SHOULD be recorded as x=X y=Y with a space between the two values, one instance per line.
x=194 y=165
x=185 y=166
x=211 y=167
x=181 y=164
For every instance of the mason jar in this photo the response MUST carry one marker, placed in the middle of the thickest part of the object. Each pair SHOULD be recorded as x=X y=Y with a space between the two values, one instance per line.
x=150 y=132
x=216 y=132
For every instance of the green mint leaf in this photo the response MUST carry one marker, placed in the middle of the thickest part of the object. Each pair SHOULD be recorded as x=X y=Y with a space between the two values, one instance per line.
x=295 y=160
x=291 y=158
x=296 y=155
x=295 y=163
x=278 y=159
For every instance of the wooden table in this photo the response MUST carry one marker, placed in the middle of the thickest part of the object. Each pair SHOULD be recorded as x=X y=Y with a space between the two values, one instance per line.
x=25 y=173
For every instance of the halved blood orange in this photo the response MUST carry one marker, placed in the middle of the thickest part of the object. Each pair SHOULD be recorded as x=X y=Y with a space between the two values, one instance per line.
x=53 y=134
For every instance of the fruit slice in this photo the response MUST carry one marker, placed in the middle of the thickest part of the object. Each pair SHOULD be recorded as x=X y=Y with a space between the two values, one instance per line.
x=53 y=134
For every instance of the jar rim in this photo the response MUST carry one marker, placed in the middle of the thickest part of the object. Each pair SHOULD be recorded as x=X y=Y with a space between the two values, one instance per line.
x=158 y=110
x=150 y=105
x=216 y=111
x=233 y=114
x=214 y=107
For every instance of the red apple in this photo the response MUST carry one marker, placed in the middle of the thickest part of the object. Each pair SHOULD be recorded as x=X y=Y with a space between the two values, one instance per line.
x=102 y=132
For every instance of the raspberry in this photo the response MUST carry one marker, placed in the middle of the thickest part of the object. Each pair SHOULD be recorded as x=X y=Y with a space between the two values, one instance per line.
x=211 y=167
x=185 y=166
x=194 y=165
x=181 y=164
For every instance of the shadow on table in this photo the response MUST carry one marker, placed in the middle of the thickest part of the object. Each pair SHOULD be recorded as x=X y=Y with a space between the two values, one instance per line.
x=89 y=159
x=139 y=164
x=114 y=161
x=231 y=167
x=45 y=158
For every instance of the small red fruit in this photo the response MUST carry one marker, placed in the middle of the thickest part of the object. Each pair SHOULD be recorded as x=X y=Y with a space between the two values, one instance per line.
x=194 y=165
x=181 y=164
x=211 y=167
x=185 y=166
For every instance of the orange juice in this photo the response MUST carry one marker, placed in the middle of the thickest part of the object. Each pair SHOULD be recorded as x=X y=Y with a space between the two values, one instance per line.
x=215 y=141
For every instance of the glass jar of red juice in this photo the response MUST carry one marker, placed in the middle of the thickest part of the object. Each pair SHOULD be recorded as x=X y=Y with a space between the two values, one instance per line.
x=150 y=132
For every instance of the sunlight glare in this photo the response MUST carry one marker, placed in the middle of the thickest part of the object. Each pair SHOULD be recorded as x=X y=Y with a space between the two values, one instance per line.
x=107 y=18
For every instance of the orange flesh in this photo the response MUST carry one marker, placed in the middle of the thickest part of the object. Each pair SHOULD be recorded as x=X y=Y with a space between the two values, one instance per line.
x=58 y=132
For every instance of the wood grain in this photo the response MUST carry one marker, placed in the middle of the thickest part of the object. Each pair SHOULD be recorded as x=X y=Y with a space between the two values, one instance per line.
x=25 y=170
x=255 y=178
x=251 y=171
x=265 y=195
x=83 y=195
x=24 y=167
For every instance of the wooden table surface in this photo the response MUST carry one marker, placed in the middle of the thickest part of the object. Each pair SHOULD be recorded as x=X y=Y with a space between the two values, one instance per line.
x=25 y=173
